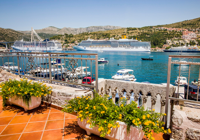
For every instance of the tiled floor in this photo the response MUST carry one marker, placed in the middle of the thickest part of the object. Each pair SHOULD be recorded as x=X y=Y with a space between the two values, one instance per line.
x=43 y=123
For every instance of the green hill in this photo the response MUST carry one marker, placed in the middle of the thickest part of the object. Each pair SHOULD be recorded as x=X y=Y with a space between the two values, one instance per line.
x=187 y=24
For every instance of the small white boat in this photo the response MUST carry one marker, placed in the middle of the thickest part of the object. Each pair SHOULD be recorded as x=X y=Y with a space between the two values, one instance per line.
x=10 y=66
x=124 y=74
x=79 y=72
x=180 y=64
x=181 y=81
x=102 y=60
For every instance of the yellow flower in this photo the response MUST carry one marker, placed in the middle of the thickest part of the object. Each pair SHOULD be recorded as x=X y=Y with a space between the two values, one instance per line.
x=143 y=117
x=19 y=85
x=157 y=121
x=86 y=107
x=102 y=112
x=94 y=107
x=108 y=131
x=165 y=131
x=87 y=112
x=149 y=135
x=120 y=116
x=148 y=115
x=153 y=109
x=114 y=126
x=165 y=114
x=88 y=121
x=121 y=98
x=169 y=131
x=157 y=124
x=88 y=96
x=115 y=111
x=81 y=119
x=18 y=93
x=138 y=119
x=139 y=122
x=25 y=92
x=162 y=128
x=133 y=121
x=105 y=121
x=122 y=105
x=109 y=125
x=69 y=107
x=6 y=97
x=118 y=125
x=90 y=115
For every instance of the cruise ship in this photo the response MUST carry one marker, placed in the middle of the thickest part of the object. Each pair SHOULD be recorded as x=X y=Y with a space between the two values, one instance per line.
x=37 y=46
x=184 y=49
x=114 y=45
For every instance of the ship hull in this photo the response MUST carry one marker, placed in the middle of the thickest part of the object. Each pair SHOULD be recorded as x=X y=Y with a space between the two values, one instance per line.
x=36 y=49
x=139 y=49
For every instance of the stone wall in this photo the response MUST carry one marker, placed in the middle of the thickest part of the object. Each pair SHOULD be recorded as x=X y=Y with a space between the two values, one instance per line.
x=186 y=123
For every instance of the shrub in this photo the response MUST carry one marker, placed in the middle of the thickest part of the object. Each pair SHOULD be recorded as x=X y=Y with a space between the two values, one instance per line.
x=104 y=113
x=23 y=89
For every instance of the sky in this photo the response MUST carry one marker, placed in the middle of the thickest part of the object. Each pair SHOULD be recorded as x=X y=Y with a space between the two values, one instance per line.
x=24 y=14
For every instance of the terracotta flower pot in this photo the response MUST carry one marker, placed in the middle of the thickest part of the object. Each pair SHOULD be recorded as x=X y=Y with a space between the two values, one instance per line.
x=34 y=102
x=116 y=133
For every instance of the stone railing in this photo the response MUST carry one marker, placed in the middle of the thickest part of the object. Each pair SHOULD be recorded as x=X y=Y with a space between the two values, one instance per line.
x=135 y=90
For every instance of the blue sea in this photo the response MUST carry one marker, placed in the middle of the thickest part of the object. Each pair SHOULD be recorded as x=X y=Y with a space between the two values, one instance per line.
x=145 y=71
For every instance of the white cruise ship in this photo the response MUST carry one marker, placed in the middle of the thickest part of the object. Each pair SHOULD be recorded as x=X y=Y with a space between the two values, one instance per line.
x=114 y=45
x=41 y=45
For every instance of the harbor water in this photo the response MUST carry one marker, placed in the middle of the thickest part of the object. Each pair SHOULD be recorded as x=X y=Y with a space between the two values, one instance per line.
x=144 y=70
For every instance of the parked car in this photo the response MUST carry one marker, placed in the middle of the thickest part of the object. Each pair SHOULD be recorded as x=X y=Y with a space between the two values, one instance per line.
x=88 y=79
x=192 y=92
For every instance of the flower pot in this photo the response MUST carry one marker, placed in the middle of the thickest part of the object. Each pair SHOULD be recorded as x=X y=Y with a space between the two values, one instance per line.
x=34 y=102
x=116 y=133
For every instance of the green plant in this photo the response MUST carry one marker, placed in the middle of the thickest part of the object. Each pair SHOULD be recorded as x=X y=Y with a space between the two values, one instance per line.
x=103 y=113
x=23 y=89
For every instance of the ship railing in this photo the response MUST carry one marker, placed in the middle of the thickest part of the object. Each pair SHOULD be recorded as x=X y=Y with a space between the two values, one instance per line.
x=56 y=68
x=185 y=95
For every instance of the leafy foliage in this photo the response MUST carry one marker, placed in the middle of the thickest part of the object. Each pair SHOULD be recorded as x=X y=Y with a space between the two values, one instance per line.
x=23 y=89
x=103 y=113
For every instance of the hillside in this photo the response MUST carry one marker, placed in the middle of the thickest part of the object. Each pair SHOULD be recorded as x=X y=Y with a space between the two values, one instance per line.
x=11 y=35
x=65 y=30
x=187 y=24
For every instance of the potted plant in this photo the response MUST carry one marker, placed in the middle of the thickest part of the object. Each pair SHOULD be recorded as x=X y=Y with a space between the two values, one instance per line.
x=24 y=93
x=102 y=117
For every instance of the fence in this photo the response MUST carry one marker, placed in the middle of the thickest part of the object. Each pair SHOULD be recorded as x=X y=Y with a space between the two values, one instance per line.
x=64 y=68
x=190 y=67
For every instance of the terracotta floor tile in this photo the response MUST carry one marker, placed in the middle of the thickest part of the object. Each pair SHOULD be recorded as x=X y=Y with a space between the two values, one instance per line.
x=5 y=120
x=8 y=113
x=55 y=110
x=35 y=126
x=20 y=119
x=10 y=137
x=74 y=132
x=71 y=123
x=56 y=116
x=57 y=124
x=52 y=135
x=31 y=136
x=2 y=127
x=39 y=117
x=12 y=129
x=70 y=116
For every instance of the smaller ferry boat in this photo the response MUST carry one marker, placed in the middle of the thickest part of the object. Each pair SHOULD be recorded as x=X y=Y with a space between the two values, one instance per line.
x=147 y=58
x=102 y=60
x=124 y=74
x=181 y=81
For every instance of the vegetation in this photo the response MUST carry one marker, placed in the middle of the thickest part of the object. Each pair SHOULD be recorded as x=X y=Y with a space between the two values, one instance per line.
x=104 y=113
x=23 y=89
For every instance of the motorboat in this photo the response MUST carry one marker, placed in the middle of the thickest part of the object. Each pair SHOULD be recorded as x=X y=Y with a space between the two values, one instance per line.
x=180 y=64
x=181 y=81
x=147 y=58
x=56 y=68
x=10 y=66
x=80 y=72
x=102 y=60
x=124 y=74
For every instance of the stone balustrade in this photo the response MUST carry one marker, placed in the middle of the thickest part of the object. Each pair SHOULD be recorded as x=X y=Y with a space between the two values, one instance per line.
x=135 y=90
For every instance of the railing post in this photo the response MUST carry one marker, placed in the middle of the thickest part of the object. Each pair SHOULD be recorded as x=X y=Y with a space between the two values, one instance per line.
x=96 y=72
x=167 y=90
x=18 y=64
x=50 y=77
